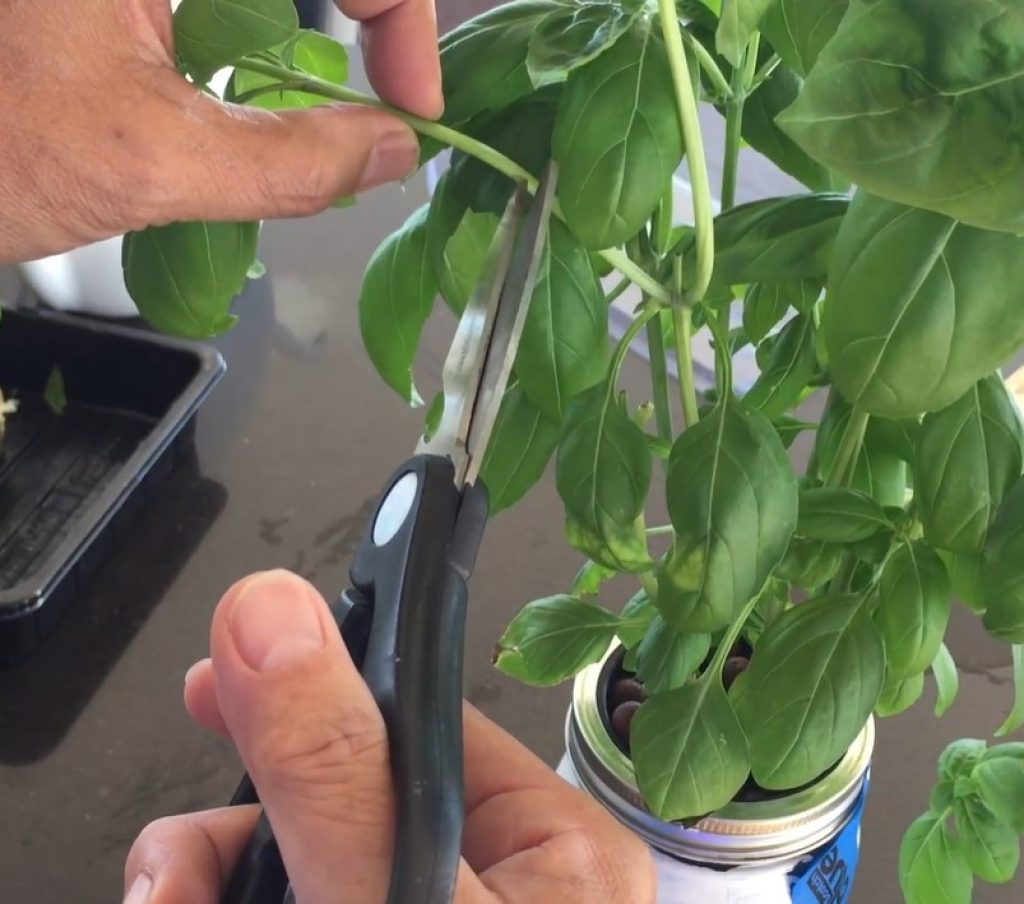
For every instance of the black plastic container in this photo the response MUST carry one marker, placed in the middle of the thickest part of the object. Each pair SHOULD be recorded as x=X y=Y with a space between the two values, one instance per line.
x=70 y=482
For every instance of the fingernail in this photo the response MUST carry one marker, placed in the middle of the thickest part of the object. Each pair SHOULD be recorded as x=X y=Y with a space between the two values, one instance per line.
x=395 y=156
x=275 y=622
x=139 y=892
x=191 y=672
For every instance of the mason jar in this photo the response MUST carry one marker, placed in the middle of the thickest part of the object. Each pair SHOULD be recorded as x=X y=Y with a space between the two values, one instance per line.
x=800 y=847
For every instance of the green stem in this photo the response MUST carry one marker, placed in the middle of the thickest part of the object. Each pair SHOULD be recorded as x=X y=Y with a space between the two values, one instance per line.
x=661 y=228
x=849 y=447
x=731 y=154
x=619 y=288
x=722 y=653
x=659 y=379
x=662 y=530
x=448 y=136
x=693 y=142
x=683 y=329
x=626 y=341
x=277 y=88
x=684 y=362
x=650 y=584
x=764 y=73
x=723 y=359
x=710 y=67
x=742 y=78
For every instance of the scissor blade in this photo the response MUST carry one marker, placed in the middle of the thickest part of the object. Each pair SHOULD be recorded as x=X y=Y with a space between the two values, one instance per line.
x=513 y=306
x=464 y=366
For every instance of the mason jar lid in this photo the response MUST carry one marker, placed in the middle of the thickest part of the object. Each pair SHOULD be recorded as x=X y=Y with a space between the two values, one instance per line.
x=742 y=833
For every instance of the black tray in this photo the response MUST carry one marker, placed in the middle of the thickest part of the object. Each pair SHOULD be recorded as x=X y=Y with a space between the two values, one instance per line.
x=70 y=482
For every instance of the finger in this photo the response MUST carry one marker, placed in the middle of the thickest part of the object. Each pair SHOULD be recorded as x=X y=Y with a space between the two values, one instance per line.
x=513 y=799
x=219 y=161
x=187 y=858
x=201 y=698
x=309 y=733
x=399 y=39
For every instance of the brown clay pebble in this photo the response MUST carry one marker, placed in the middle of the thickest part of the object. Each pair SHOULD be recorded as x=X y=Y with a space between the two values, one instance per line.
x=622 y=717
x=734 y=665
x=628 y=689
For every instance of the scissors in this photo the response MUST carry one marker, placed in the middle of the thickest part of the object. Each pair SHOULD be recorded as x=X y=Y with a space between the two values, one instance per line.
x=403 y=617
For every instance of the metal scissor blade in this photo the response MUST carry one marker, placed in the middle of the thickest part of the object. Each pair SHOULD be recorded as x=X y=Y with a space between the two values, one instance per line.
x=464 y=366
x=513 y=305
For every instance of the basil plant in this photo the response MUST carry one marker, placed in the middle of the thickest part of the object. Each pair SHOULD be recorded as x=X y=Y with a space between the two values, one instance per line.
x=888 y=287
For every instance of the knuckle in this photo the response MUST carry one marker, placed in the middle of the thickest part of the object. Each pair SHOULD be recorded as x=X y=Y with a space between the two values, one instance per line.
x=315 y=752
x=615 y=863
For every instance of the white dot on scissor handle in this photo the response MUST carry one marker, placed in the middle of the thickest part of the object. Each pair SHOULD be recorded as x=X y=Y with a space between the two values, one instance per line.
x=395 y=509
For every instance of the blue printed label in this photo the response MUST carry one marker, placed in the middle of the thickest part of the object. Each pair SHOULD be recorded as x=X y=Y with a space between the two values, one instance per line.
x=827 y=878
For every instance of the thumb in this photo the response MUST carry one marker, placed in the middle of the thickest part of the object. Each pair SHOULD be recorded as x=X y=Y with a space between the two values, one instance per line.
x=310 y=735
x=231 y=163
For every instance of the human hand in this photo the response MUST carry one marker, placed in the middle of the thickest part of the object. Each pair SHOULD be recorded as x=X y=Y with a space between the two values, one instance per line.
x=102 y=135
x=282 y=686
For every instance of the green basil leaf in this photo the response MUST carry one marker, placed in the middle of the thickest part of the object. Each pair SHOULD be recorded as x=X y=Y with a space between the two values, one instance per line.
x=899 y=437
x=667 y=659
x=947 y=680
x=183 y=277
x=564 y=345
x=815 y=677
x=902 y=284
x=896 y=105
x=777 y=239
x=617 y=138
x=589 y=579
x=521 y=445
x=968 y=456
x=839 y=515
x=766 y=304
x=689 y=750
x=54 y=393
x=789 y=428
x=799 y=29
x=603 y=468
x=810 y=563
x=522 y=132
x=877 y=472
x=311 y=52
x=620 y=548
x=965 y=579
x=484 y=61
x=1002 y=570
x=761 y=132
x=913 y=608
x=637 y=616
x=458 y=241
x=932 y=866
x=898 y=695
x=1015 y=719
x=956 y=763
x=212 y=34
x=999 y=779
x=732 y=497
x=991 y=849
x=578 y=34
x=463 y=258
x=737 y=23
x=789 y=368
x=395 y=301
x=435 y=412
x=554 y=638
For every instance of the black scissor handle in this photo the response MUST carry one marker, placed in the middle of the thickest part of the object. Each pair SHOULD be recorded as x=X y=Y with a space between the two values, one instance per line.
x=409 y=590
